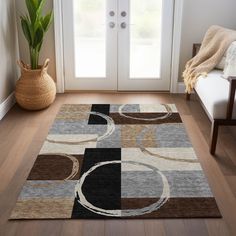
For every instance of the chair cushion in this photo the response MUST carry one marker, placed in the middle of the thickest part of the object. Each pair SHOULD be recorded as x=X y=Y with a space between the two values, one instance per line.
x=214 y=93
x=230 y=62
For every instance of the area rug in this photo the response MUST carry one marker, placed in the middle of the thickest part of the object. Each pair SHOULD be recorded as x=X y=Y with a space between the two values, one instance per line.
x=116 y=161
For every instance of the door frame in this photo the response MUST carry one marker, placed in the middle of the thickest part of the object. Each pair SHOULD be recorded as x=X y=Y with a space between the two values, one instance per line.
x=59 y=47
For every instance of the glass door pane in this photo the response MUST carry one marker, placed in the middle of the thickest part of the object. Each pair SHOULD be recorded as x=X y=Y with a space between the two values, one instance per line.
x=90 y=38
x=145 y=38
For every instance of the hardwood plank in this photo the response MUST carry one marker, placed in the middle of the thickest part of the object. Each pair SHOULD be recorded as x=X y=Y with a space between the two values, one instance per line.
x=15 y=157
x=232 y=183
x=38 y=228
x=72 y=228
x=196 y=227
x=218 y=228
x=115 y=227
x=10 y=132
x=94 y=228
x=175 y=228
x=135 y=227
x=9 y=229
x=50 y=227
x=154 y=227
x=228 y=141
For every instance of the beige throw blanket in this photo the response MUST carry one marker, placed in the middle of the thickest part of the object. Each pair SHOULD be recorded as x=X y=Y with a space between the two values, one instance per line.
x=215 y=43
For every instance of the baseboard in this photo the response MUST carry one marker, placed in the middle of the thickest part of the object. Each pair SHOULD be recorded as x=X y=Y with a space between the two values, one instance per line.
x=7 y=105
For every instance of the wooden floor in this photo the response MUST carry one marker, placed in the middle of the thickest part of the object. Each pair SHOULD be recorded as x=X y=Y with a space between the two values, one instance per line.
x=22 y=135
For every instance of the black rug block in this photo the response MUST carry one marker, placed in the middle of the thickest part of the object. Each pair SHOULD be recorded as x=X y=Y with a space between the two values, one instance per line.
x=97 y=120
x=102 y=188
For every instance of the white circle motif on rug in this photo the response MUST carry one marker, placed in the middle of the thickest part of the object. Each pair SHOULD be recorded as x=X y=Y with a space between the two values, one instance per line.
x=126 y=212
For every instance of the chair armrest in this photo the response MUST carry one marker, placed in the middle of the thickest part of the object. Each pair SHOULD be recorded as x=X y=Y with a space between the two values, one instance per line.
x=232 y=90
x=196 y=48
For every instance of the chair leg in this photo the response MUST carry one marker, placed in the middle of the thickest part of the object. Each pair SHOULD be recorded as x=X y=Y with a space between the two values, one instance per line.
x=214 y=136
x=188 y=96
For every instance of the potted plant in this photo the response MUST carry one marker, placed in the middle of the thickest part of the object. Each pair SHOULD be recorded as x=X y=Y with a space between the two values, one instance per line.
x=35 y=89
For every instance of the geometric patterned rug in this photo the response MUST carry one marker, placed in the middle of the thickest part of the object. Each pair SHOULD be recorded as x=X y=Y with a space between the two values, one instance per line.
x=106 y=161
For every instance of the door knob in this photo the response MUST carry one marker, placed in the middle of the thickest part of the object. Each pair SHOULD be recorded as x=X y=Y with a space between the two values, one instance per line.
x=123 y=13
x=123 y=25
x=112 y=25
x=111 y=13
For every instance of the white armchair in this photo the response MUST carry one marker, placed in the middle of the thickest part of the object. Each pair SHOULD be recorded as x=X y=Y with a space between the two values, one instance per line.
x=217 y=96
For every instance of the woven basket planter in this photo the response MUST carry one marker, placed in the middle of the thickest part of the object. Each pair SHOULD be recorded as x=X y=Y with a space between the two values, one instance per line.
x=35 y=90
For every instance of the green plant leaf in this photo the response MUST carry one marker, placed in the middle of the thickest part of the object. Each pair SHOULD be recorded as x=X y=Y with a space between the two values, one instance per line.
x=40 y=46
x=39 y=10
x=46 y=21
x=39 y=34
x=36 y=2
x=26 y=30
x=41 y=4
x=30 y=26
x=31 y=7
x=36 y=25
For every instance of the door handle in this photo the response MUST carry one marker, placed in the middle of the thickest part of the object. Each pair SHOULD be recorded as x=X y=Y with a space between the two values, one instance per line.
x=123 y=25
x=112 y=25
x=111 y=13
x=123 y=13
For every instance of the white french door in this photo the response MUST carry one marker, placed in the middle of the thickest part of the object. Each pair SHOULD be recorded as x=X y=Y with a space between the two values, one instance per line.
x=117 y=44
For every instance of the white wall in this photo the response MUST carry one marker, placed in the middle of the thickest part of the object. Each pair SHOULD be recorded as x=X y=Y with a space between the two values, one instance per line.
x=8 y=48
x=198 y=16
x=48 y=48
